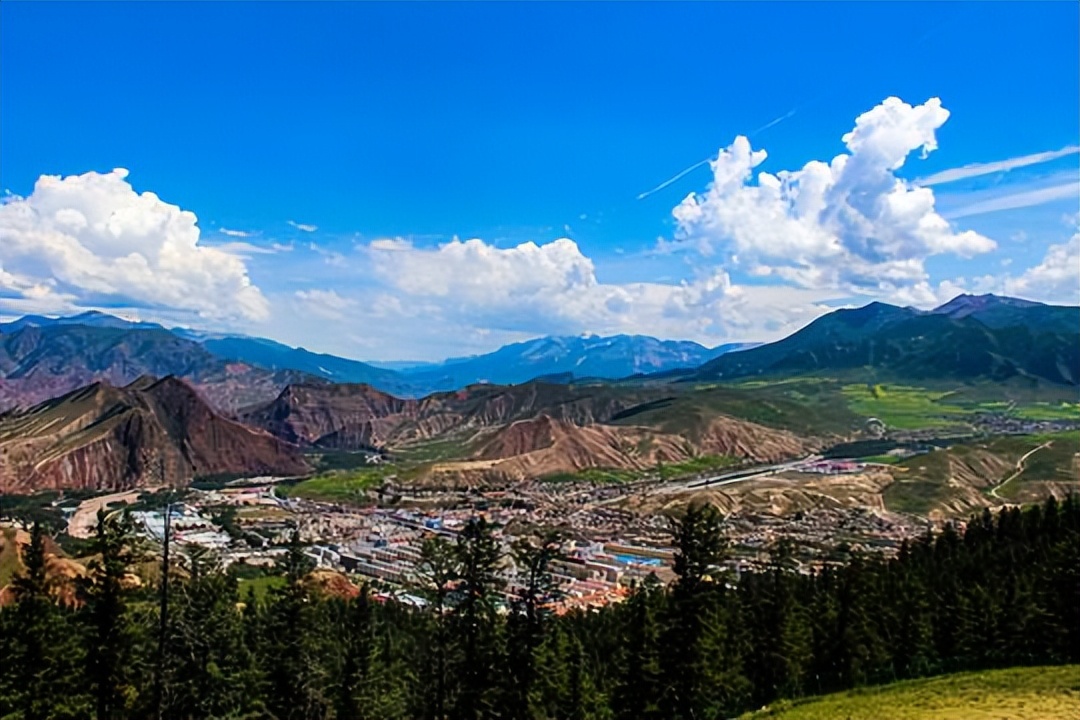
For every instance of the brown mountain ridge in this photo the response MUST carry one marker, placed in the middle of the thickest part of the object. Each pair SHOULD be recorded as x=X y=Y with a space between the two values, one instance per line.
x=359 y=416
x=104 y=437
x=513 y=432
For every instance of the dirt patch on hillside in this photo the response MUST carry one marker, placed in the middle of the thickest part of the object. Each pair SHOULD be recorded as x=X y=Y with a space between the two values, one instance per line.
x=778 y=495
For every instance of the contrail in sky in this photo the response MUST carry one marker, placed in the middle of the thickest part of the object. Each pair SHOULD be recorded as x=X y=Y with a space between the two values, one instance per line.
x=776 y=121
x=667 y=182
x=695 y=166
x=786 y=116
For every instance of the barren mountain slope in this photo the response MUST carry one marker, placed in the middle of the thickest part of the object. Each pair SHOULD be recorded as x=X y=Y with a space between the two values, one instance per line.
x=103 y=437
x=544 y=446
x=355 y=416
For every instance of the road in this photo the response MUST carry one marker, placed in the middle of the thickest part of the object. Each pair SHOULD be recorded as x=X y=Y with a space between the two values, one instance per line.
x=728 y=478
x=83 y=521
x=737 y=476
x=1019 y=469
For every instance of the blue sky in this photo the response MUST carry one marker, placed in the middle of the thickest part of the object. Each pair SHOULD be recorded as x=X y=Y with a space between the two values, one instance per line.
x=345 y=146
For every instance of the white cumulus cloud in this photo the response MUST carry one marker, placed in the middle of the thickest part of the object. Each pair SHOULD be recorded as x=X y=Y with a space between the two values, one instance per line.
x=91 y=239
x=1056 y=279
x=847 y=223
x=553 y=289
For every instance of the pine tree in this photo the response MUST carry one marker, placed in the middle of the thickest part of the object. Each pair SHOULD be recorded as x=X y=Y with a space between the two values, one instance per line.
x=209 y=666
x=43 y=657
x=781 y=645
x=368 y=686
x=293 y=669
x=528 y=619
x=438 y=573
x=638 y=690
x=474 y=621
x=113 y=665
x=694 y=627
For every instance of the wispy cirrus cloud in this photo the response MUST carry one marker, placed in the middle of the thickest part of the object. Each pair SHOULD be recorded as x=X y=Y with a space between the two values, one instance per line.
x=1018 y=199
x=303 y=227
x=246 y=249
x=235 y=233
x=977 y=169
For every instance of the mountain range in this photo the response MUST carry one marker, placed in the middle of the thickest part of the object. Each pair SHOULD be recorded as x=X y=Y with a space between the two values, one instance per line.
x=39 y=362
x=91 y=416
x=41 y=357
x=969 y=338
x=568 y=358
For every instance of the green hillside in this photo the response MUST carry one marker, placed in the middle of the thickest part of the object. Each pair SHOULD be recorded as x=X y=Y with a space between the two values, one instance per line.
x=958 y=479
x=999 y=341
x=1039 y=693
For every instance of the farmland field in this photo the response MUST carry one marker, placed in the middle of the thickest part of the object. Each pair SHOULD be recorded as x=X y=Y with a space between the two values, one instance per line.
x=902 y=407
x=338 y=485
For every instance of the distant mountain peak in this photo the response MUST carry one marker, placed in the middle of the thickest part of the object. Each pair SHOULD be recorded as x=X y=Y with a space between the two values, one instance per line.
x=142 y=382
x=984 y=336
x=964 y=304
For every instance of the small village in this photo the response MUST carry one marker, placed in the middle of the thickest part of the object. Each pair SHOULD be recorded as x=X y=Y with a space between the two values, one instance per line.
x=605 y=549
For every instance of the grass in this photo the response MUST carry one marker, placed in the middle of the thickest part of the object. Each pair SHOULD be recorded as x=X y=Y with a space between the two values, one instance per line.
x=338 y=485
x=326 y=461
x=903 y=407
x=1058 y=410
x=817 y=405
x=1041 y=693
x=921 y=485
x=261 y=586
x=881 y=459
x=432 y=451
x=807 y=406
x=1049 y=411
x=922 y=482
x=668 y=471
x=597 y=476
x=693 y=466
x=1051 y=464
x=915 y=497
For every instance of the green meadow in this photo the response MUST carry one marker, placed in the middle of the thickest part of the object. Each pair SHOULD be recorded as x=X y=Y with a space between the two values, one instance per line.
x=1038 y=693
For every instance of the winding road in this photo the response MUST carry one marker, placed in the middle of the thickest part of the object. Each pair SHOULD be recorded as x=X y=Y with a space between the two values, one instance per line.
x=1019 y=469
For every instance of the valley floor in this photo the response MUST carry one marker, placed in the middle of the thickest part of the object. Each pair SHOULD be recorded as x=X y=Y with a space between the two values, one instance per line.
x=1036 y=693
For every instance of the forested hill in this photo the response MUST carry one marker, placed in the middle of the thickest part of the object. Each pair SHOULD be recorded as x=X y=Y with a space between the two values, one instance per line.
x=1002 y=592
x=985 y=337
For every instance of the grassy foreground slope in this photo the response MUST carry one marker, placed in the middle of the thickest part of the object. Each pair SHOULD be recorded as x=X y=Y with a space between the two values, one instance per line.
x=1034 y=693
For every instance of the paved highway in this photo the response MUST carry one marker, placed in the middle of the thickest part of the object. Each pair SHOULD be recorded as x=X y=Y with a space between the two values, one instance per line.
x=728 y=478
x=749 y=473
